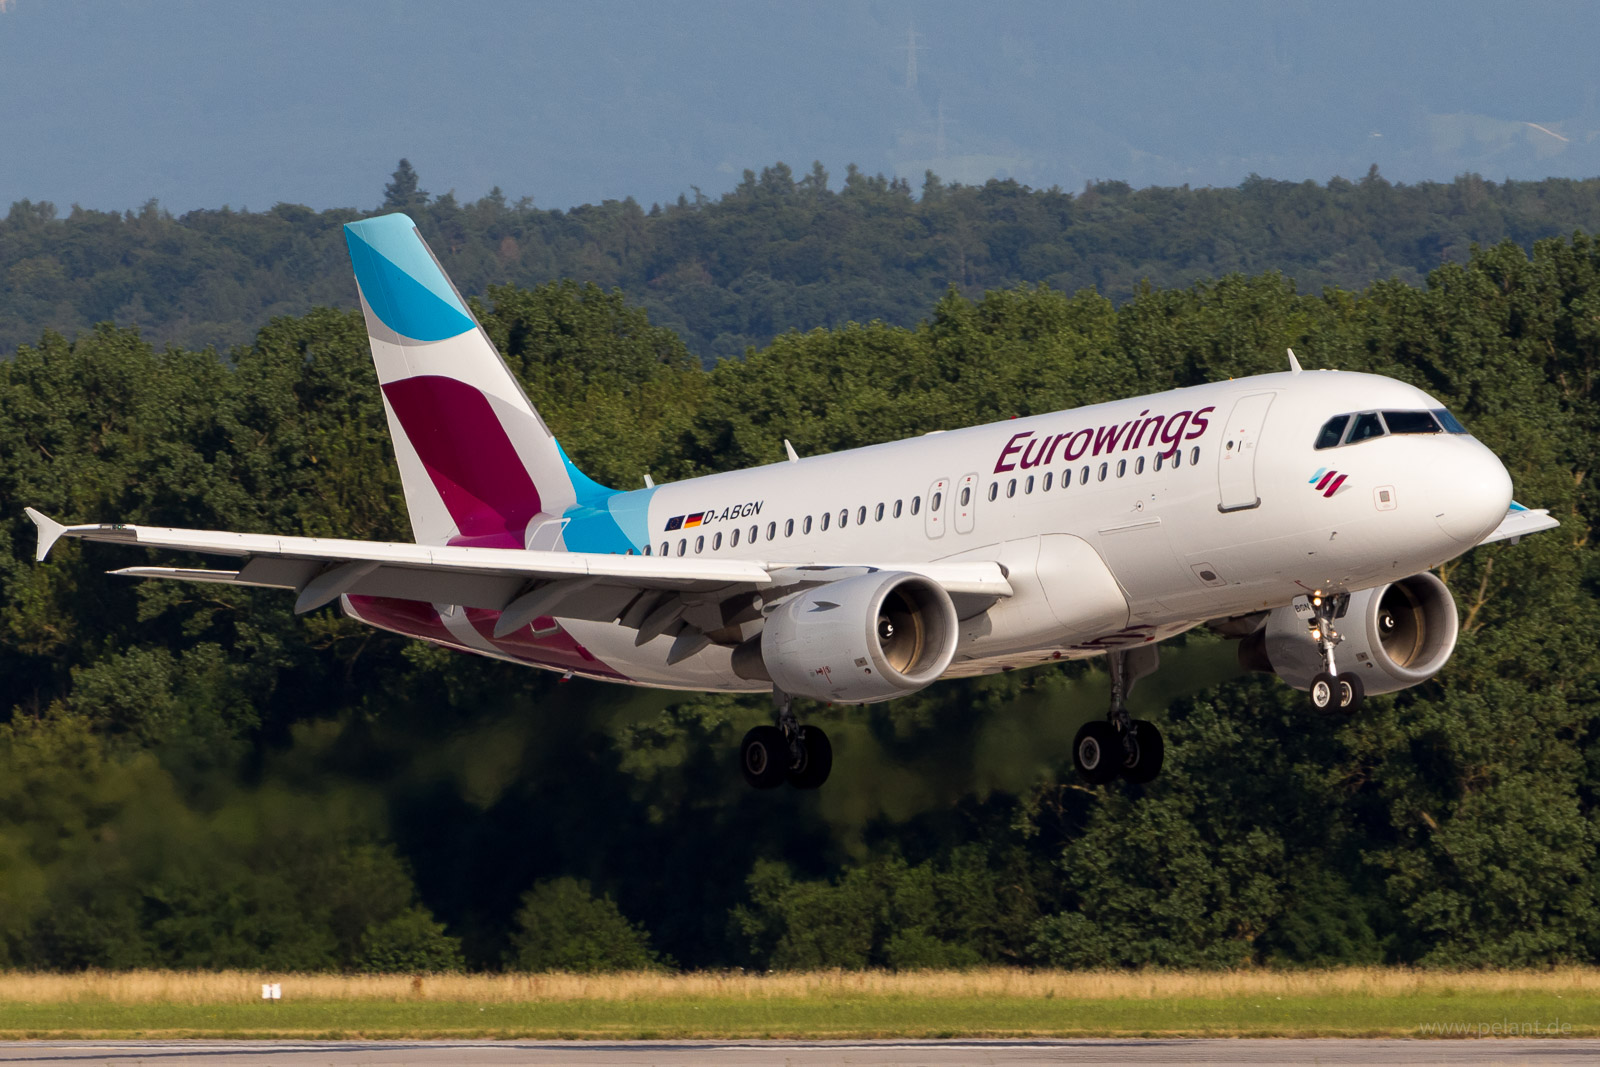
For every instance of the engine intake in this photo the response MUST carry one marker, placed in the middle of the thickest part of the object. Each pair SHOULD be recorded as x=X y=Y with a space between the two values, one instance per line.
x=857 y=640
x=1395 y=636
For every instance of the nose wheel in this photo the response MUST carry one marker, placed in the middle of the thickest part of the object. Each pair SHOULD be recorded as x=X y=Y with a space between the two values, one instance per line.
x=769 y=756
x=1330 y=690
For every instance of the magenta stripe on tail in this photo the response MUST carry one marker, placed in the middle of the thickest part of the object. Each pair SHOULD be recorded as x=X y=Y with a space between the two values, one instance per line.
x=468 y=456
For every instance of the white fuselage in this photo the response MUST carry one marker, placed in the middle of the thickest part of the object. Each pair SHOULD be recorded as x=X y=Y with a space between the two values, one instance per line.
x=1237 y=524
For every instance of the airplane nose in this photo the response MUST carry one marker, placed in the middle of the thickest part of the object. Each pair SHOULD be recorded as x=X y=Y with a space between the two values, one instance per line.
x=1471 y=494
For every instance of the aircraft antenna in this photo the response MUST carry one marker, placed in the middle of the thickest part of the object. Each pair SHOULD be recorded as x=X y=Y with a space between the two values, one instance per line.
x=787 y=447
x=1294 y=364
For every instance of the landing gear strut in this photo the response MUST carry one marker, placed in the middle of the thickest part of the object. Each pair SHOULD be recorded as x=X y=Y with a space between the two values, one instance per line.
x=1119 y=743
x=787 y=752
x=1331 y=690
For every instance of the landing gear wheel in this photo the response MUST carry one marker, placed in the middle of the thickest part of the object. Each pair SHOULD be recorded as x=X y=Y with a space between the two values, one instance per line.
x=1097 y=752
x=1149 y=751
x=1351 y=692
x=816 y=762
x=764 y=757
x=1324 y=691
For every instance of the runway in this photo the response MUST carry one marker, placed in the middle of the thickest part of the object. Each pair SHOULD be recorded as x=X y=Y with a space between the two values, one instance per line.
x=1547 y=1052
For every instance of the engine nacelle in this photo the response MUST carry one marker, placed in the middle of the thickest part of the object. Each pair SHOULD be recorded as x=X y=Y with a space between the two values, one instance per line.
x=1395 y=636
x=857 y=640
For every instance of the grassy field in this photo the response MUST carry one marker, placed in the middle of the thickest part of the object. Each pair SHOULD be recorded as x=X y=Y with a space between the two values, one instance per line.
x=1376 y=1002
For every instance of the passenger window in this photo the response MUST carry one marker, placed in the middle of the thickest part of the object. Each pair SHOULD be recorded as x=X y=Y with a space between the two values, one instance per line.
x=1160 y=458
x=1083 y=476
x=861 y=515
x=716 y=540
x=1104 y=468
x=753 y=531
x=1122 y=467
x=994 y=490
x=1027 y=487
x=1177 y=459
x=877 y=514
x=683 y=547
x=647 y=550
x=1448 y=421
x=827 y=516
x=1410 y=422
x=666 y=549
x=700 y=544
x=966 y=495
x=1011 y=488
x=1138 y=465
x=897 y=509
x=937 y=502
x=1044 y=486
x=1367 y=425
x=772 y=530
x=916 y=504
x=1194 y=455
x=844 y=517
x=807 y=527
x=1332 y=431
x=1066 y=477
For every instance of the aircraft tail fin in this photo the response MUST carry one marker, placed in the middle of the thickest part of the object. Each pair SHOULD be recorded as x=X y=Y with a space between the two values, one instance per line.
x=477 y=463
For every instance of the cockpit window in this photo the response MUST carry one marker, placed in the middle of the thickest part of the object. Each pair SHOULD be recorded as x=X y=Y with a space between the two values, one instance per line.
x=1448 y=421
x=1332 y=432
x=1410 y=422
x=1367 y=425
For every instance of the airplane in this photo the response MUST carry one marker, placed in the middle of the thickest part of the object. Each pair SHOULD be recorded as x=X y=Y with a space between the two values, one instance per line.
x=1300 y=512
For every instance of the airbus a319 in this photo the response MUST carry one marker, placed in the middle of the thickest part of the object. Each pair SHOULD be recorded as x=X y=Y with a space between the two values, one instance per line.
x=1299 y=512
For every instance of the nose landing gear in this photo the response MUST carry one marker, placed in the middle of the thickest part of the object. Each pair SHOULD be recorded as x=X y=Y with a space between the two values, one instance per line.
x=1330 y=689
x=1119 y=743
x=787 y=752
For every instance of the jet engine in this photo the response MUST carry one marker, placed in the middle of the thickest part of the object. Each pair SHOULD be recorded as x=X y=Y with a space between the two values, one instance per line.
x=1395 y=636
x=856 y=640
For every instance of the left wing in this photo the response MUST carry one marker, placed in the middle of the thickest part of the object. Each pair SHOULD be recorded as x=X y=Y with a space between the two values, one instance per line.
x=1519 y=522
x=521 y=584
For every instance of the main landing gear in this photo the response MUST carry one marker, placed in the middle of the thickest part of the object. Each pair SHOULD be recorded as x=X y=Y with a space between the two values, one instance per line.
x=1119 y=743
x=1329 y=689
x=787 y=752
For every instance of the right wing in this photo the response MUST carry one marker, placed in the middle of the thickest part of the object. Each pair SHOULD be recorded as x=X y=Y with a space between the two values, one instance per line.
x=644 y=592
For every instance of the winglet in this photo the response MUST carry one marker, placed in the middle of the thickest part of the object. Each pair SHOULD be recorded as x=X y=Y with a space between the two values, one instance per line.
x=50 y=532
x=1294 y=364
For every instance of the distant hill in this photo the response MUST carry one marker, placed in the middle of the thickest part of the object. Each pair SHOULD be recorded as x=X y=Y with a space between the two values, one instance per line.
x=777 y=253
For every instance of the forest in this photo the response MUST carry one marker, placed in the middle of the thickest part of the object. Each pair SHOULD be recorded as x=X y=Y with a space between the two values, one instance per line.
x=778 y=252
x=193 y=777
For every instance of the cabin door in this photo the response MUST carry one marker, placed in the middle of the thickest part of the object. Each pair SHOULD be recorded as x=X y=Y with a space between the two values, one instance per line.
x=1236 y=460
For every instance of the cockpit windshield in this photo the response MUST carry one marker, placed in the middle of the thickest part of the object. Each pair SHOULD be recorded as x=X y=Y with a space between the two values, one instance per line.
x=1364 y=425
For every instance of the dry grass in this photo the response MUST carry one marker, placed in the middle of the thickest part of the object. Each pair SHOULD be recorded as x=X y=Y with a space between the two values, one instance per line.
x=231 y=987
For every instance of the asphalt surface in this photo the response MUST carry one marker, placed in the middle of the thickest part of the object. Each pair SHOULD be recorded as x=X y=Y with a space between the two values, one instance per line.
x=1543 y=1052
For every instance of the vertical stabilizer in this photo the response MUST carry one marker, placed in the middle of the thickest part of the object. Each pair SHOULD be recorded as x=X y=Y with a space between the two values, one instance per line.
x=477 y=463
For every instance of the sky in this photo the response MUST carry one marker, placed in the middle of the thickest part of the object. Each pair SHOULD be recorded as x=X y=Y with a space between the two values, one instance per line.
x=205 y=103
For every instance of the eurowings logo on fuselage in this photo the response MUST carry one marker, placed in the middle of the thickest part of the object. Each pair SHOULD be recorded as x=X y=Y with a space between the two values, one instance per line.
x=1327 y=482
